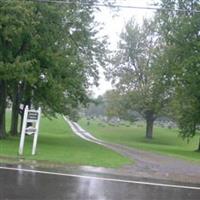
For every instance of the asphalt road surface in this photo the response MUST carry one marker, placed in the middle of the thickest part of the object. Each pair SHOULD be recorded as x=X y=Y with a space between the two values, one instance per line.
x=24 y=184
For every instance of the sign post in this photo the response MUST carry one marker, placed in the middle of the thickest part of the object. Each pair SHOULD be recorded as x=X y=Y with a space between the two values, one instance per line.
x=30 y=126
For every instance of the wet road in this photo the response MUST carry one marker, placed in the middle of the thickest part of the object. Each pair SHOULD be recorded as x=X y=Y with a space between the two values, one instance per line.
x=30 y=184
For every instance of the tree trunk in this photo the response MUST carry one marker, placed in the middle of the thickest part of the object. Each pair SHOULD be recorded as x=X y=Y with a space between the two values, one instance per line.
x=149 y=125
x=21 y=120
x=15 y=112
x=2 y=108
x=27 y=103
x=22 y=117
x=198 y=149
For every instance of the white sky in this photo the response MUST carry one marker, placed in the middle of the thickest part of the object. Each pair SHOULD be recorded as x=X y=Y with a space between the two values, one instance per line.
x=113 y=24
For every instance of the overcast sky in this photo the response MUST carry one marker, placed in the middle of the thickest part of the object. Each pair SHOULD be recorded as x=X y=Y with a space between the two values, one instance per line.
x=113 y=24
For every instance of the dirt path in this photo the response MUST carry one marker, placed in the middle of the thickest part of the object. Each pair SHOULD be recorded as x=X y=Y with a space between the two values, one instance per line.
x=147 y=164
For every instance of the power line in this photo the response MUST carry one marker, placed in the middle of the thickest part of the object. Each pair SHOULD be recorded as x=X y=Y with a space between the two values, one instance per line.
x=117 y=6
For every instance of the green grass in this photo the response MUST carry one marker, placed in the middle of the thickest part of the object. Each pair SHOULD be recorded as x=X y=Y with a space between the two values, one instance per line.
x=58 y=144
x=165 y=141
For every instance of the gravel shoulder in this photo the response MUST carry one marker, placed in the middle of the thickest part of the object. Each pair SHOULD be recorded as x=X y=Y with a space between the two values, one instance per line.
x=147 y=164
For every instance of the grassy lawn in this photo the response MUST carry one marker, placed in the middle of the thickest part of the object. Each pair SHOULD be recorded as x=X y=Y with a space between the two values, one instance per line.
x=58 y=144
x=165 y=140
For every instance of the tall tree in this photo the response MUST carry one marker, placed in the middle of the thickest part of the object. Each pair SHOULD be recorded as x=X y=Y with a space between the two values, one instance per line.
x=180 y=31
x=13 y=35
x=135 y=71
x=49 y=52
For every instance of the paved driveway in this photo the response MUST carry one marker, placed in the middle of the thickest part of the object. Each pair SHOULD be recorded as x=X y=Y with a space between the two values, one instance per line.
x=147 y=164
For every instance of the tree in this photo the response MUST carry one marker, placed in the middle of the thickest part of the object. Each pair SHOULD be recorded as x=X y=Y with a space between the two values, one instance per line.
x=95 y=107
x=113 y=104
x=49 y=53
x=136 y=71
x=12 y=44
x=180 y=31
x=2 y=108
x=116 y=105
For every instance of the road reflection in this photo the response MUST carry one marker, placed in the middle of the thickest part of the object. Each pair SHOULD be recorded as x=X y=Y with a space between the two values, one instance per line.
x=31 y=185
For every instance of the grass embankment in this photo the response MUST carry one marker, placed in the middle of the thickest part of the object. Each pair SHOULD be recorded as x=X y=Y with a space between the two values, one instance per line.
x=165 y=140
x=57 y=143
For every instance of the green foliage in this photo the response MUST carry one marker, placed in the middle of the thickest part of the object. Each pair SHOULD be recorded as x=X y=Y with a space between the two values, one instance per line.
x=136 y=68
x=136 y=71
x=95 y=108
x=116 y=105
x=113 y=104
x=49 y=53
x=180 y=31
x=74 y=114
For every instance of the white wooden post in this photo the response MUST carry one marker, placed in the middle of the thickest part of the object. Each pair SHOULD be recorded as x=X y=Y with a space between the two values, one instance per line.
x=33 y=117
x=21 y=145
x=36 y=133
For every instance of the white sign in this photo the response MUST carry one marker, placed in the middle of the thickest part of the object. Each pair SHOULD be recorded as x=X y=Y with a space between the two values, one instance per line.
x=30 y=126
